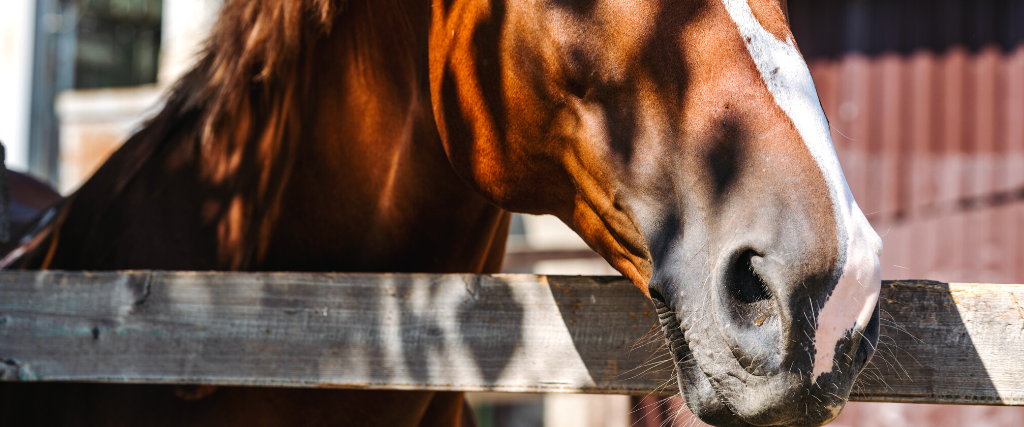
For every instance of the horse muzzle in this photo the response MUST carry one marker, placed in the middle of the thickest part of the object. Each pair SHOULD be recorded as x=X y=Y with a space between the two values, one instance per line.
x=747 y=344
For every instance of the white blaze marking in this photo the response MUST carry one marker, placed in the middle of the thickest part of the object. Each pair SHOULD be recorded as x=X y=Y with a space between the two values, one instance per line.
x=783 y=70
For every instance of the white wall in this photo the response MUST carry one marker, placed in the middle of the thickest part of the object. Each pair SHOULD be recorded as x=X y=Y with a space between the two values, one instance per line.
x=95 y=122
x=185 y=26
x=17 y=18
x=586 y=410
x=547 y=233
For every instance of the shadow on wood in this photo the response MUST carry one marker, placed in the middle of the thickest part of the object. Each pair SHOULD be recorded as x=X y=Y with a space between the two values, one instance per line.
x=942 y=343
x=396 y=331
x=948 y=343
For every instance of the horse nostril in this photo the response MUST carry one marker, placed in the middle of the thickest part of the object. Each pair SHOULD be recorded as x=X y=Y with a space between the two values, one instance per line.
x=752 y=321
x=750 y=299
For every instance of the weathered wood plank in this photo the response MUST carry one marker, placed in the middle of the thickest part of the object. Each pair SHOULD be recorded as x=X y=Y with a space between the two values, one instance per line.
x=955 y=343
x=948 y=343
x=508 y=333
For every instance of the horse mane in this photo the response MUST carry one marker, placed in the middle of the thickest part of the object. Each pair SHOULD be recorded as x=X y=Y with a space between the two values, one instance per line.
x=240 y=106
x=236 y=112
x=250 y=70
x=249 y=76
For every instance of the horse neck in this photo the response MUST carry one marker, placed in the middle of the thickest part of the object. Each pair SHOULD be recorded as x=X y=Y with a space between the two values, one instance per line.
x=371 y=188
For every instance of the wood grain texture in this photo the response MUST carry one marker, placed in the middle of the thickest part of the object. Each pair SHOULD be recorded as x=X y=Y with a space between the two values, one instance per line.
x=948 y=343
x=942 y=343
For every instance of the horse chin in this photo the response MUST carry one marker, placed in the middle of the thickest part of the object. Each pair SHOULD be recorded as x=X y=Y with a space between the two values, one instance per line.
x=780 y=399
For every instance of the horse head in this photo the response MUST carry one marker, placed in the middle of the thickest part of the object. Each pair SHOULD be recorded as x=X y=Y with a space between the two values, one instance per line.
x=684 y=141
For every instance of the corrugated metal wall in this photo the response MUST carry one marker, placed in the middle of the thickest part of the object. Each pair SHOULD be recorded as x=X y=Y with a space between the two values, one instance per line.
x=926 y=101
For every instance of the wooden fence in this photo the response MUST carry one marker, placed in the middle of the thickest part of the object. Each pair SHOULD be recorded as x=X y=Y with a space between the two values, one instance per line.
x=941 y=343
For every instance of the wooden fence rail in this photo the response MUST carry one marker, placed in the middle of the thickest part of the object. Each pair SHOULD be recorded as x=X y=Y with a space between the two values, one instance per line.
x=941 y=343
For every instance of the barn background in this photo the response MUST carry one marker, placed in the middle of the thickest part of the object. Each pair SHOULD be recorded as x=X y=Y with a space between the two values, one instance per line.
x=925 y=99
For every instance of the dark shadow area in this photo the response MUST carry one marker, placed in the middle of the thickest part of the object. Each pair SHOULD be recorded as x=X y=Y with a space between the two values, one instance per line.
x=510 y=414
x=832 y=28
x=726 y=156
x=84 y=404
x=667 y=235
x=491 y=324
x=613 y=328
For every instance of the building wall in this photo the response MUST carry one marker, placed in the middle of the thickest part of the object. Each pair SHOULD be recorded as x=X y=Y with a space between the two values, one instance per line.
x=932 y=144
x=95 y=122
x=16 y=43
x=186 y=24
x=926 y=103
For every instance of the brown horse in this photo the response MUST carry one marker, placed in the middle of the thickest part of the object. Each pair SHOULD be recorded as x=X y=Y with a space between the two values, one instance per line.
x=682 y=139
